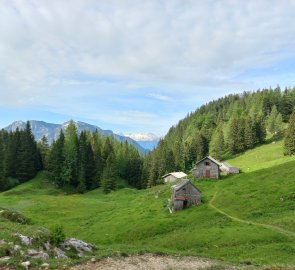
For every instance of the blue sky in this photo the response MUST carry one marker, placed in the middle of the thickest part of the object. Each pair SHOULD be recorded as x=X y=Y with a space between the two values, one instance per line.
x=138 y=66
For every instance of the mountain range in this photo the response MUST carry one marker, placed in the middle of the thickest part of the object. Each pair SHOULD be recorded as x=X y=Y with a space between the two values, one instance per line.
x=51 y=131
x=146 y=140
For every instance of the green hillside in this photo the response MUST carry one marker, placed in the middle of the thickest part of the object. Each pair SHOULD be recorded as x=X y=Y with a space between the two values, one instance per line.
x=246 y=218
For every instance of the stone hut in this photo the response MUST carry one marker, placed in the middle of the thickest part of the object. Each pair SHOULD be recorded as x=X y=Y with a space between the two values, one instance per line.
x=228 y=169
x=208 y=167
x=174 y=176
x=185 y=194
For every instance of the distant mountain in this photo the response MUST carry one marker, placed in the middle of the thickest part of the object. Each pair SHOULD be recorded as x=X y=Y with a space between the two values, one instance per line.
x=146 y=140
x=51 y=131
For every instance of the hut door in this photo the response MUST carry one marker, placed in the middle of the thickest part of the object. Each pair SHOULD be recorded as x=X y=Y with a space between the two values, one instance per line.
x=208 y=175
x=185 y=204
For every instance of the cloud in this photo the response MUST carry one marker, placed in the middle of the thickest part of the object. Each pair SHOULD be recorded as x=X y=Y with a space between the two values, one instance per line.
x=139 y=51
x=160 y=97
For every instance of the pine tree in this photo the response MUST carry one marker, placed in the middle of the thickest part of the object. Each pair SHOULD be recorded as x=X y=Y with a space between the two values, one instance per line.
x=27 y=155
x=97 y=156
x=56 y=161
x=70 y=166
x=249 y=135
x=11 y=162
x=43 y=148
x=109 y=174
x=217 y=144
x=289 y=142
x=286 y=105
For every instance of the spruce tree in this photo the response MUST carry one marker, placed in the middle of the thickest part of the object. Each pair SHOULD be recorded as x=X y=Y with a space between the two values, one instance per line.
x=70 y=167
x=249 y=135
x=289 y=142
x=56 y=161
x=97 y=156
x=109 y=174
x=217 y=144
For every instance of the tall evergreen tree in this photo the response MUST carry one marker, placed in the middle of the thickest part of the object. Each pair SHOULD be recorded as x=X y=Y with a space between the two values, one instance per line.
x=70 y=168
x=217 y=144
x=109 y=174
x=56 y=161
x=289 y=142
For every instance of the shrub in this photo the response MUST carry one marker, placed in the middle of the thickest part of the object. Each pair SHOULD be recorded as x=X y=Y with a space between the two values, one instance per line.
x=14 y=216
x=57 y=235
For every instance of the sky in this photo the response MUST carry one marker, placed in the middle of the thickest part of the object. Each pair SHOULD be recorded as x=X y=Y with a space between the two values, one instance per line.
x=138 y=66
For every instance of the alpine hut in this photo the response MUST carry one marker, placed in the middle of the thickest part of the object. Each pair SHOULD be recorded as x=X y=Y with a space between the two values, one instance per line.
x=227 y=168
x=185 y=194
x=174 y=176
x=208 y=167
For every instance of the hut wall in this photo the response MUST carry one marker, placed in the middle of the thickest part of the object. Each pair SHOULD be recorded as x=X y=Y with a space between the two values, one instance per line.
x=188 y=191
x=201 y=169
x=170 y=178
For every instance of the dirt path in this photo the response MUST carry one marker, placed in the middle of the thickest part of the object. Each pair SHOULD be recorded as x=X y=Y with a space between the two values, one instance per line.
x=148 y=261
x=268 y=226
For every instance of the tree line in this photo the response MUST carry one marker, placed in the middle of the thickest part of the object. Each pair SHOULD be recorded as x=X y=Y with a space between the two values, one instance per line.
x=85 y=161
x=223 y=128
x=81 y=161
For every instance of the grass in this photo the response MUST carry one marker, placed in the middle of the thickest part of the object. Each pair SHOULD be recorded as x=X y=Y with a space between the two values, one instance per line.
x=133 y=221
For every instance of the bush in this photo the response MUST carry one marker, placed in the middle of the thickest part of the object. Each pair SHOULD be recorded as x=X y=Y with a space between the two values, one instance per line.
x=57 y=235
x=13 y=216
x=8 y=183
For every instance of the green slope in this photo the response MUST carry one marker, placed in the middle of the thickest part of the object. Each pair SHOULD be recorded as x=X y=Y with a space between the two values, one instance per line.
x=243 y=218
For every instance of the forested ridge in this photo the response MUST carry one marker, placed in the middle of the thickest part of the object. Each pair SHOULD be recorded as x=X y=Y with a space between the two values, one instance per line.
x=85 y=161
x=82 y=161
x=222 y=128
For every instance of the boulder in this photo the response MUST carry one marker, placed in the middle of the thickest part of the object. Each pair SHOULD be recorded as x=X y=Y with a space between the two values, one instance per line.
x=45 y=265
x=79 y=245
x=4 y=259
x=32 y=253
x=26 y=264
x=25 y=240
x=59 y=253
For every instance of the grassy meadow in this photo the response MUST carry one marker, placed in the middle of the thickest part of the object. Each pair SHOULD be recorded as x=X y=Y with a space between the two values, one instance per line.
x=244 y=219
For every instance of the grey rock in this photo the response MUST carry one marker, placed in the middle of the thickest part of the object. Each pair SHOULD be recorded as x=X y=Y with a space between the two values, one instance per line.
x=26 y=264
x=16 y=248
x=32 y=253
x=47 y=246
x=59 y=253
x=45 y=265
x=25 y=240
x=79 y=245
x=2 y=242
x=4 y=259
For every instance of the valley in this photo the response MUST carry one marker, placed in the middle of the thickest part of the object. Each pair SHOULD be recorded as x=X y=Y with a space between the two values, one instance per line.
x=243 y=219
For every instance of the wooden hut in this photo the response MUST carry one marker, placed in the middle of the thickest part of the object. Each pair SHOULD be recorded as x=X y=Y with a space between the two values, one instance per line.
x=208 y=167
x=174 y=176
x=185 y=194
x=227 y=168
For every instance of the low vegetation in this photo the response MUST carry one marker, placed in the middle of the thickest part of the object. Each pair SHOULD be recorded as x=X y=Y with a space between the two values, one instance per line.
x=244 y=219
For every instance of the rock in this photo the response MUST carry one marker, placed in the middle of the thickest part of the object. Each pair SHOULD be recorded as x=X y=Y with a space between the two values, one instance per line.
x=26 y=264
x=93 y=260
x=47 y=245
x=32 y=253
x=25 y=240
x=45 y=265
x=59 y=253
x=79 y=245
x=2 y=242
x=16 y=248
x=4 y=259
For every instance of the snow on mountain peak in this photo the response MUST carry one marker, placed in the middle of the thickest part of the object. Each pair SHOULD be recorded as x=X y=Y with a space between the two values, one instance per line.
x=143 y=136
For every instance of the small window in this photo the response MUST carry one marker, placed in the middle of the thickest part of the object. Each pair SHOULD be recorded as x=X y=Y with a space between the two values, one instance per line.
x=207 y=163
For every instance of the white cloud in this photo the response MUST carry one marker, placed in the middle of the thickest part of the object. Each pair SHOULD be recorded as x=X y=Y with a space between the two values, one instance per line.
x=160 y=97
x=51 y=50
